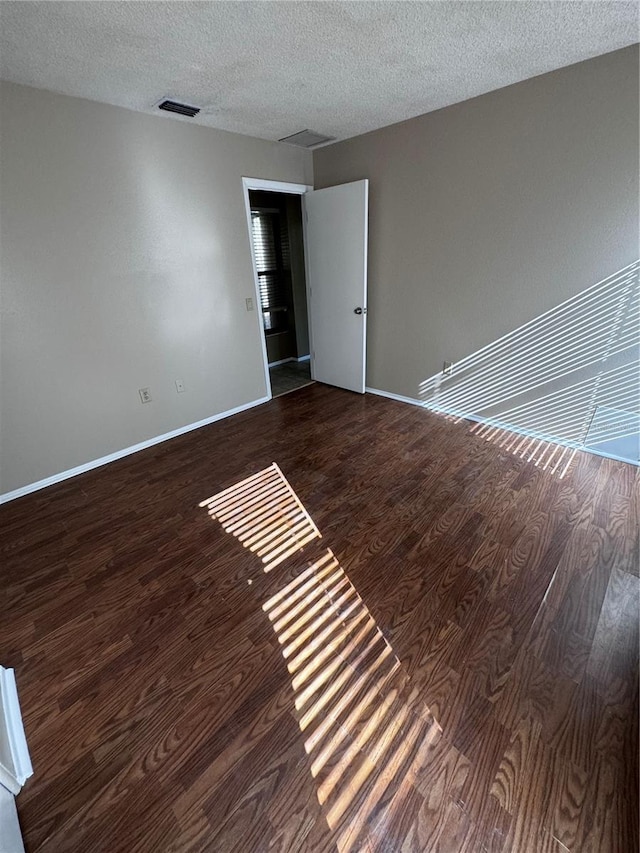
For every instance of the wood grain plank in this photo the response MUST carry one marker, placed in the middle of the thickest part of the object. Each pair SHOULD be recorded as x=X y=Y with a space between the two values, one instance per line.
x=161 y=712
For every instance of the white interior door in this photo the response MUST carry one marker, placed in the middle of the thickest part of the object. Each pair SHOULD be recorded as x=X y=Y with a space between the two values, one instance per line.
x=336 y=255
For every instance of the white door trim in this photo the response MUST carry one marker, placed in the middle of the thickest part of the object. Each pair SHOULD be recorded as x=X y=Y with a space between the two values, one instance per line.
x=15 y=763
x=273 y=187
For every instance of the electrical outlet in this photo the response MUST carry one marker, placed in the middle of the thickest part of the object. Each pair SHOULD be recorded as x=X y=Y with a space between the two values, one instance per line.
x=447 y=368
x=180 y=386
x=145 y=395
x=249 y=303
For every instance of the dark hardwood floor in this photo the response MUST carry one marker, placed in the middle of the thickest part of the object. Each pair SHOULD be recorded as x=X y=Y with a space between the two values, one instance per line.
x=448 y=663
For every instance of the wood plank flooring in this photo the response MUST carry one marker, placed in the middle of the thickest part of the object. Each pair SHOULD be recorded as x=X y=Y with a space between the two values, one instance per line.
x=451 y=664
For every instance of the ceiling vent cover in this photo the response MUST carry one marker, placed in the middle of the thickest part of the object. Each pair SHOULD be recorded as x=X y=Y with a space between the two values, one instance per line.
x=307 y=139
x=181 y=109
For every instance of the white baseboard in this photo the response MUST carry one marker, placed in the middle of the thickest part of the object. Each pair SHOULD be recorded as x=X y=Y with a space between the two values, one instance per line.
x=412 y=401
x=282 y=361
x=288 y=360
x=119 y=454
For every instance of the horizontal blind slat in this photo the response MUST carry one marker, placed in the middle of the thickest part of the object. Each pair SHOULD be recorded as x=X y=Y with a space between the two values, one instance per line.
x=266 y=226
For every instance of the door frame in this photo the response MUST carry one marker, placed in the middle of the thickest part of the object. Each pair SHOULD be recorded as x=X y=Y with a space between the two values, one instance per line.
x=274 y=187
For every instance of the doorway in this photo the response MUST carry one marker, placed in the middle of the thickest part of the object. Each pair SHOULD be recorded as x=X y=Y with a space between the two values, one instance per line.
x=310 y=283
x=278 y=255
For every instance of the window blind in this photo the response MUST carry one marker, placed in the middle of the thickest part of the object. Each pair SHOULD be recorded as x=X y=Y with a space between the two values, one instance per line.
x=271 y=247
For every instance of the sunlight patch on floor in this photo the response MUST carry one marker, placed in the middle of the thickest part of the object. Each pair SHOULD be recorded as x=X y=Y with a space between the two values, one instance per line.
x=366 y=731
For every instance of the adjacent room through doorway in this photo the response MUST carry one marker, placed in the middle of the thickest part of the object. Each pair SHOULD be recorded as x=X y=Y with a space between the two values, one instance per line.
x=276 y=225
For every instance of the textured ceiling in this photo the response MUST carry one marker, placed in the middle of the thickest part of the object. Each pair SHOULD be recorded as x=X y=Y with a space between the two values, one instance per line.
x=269 y=69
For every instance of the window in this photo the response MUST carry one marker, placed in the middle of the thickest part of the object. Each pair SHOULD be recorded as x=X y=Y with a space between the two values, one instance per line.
x=271 y=247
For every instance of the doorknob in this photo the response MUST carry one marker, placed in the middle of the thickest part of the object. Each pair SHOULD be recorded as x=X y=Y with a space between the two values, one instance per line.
x=359 y=310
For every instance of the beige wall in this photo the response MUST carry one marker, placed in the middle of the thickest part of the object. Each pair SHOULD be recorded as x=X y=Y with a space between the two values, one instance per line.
x=125 y=263
x=486 y=213
x=125 y=260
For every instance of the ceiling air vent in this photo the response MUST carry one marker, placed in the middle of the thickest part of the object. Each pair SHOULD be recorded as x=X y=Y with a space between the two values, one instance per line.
x=181 y=109
x=307 y=139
